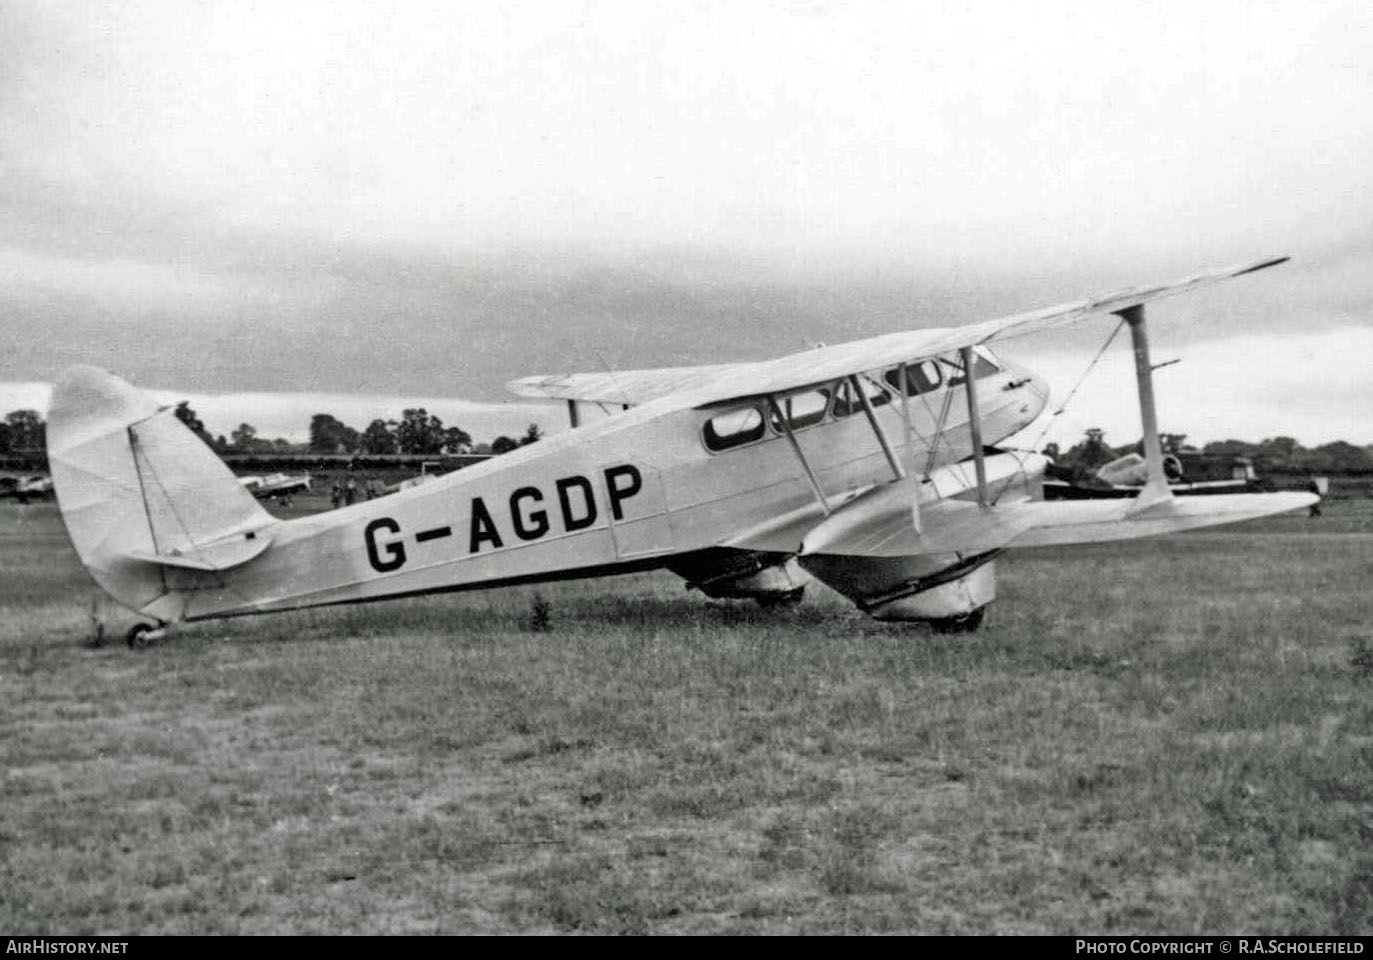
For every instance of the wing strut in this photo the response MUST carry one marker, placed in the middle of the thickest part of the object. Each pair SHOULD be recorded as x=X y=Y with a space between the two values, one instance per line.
x=796 y=448
x=938 y=431
x=974 y=424
x=905 y=404
x=862 y=395
x=573 y=414
x=1156 y=482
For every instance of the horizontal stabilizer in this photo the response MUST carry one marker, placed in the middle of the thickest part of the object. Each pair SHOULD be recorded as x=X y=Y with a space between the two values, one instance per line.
x=224 y=555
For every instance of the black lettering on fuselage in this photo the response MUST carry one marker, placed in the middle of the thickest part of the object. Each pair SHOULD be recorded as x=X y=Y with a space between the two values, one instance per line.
x=394 y=550
x=529 y=518
x=619 y=494
x=536 y=525
x=588 y=516
x=483 y=528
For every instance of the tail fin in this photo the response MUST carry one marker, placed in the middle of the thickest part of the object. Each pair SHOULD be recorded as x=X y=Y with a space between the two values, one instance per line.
x=140 y=493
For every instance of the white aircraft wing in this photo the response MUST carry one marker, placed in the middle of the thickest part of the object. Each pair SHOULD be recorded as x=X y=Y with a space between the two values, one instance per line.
x=719 y=383
x=621 y=386
x=829 y=363
x=883 y=526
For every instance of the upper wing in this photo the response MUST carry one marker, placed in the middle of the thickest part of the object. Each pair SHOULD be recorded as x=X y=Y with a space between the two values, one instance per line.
x=622 y=386
x=721 y=382
x=828 y=363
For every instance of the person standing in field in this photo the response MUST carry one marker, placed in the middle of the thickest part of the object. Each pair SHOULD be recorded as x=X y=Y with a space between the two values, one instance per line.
x=336 y=495
x=350 y=492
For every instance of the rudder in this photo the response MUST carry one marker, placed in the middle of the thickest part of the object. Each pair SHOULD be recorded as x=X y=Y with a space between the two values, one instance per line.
x=140 y=493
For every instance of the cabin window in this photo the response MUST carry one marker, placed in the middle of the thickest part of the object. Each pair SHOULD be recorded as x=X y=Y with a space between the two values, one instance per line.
x=846 y=402
x=924 y=376
x=734 y=428
x=802 y=409
x=982 y=367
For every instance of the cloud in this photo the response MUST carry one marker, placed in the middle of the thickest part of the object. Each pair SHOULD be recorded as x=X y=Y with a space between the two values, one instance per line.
x=351 y=198
x=853 y=132
x=123 y=287
x=1314 y=387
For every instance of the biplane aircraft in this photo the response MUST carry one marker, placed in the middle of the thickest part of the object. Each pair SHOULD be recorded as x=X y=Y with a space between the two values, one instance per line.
x=864 y=465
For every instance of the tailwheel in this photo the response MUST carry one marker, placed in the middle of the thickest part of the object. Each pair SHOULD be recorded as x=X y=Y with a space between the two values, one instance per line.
x=789 y=598
x=143 y=635
x=967 y=623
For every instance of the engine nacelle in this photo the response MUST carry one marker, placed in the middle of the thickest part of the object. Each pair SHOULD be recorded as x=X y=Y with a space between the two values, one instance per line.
x=947 y=591
x=743 y=575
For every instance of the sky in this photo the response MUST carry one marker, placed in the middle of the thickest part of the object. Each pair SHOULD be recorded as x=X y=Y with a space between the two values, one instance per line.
x=269 y=207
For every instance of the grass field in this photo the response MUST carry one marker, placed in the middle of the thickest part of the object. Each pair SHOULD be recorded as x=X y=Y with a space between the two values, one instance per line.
x=1166 y=736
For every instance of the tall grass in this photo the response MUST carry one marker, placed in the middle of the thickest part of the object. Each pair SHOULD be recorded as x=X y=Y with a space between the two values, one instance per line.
x=1168 y=736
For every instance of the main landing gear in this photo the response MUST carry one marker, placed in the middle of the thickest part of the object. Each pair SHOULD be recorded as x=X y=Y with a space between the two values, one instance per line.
x=966 y=623
x=781 y=599
x=143 y=635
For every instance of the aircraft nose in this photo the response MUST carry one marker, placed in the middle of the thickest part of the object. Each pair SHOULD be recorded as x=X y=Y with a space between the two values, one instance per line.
x=1036 y=394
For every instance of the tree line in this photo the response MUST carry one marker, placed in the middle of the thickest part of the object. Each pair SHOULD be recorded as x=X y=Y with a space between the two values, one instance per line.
x=1271 y=455
x=417 y=432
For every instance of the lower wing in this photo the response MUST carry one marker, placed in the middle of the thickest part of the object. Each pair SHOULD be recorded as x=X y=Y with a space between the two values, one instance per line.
x=882 y=523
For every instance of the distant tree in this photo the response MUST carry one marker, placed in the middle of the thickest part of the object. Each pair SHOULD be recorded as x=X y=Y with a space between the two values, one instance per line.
x=1088 y=454
x=457 y=440
x=186 y=415
x=378 y=438
x=26 y=430
x=282 y=445
x=6 y=438
x=532 y=434
x=1271 y=454
x=1229 y=448
x=419 y=432
x=503 y=444
x=244 y=438
x=330 y=435
x=1173 y=443
x=1281 y=448
x=1337 y=457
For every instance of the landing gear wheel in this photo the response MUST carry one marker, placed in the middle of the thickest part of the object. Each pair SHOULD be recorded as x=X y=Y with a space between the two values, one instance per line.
x=779 y=600
x=967 y=623
x=143 y=635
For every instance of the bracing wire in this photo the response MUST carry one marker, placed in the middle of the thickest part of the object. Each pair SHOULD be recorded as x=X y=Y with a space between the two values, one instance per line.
x=1048 y=425
x=1080 y=380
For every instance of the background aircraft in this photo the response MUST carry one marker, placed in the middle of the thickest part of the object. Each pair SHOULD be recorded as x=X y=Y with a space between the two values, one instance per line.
x=1188 y=473
x=862 y=464
x=275 y=484
x=26 y=488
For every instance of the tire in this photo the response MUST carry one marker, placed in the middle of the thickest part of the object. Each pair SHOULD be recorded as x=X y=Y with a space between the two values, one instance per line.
x=782 y=600
x=137 y=636
x=967 y=623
